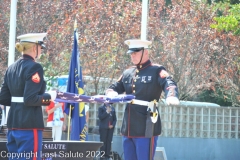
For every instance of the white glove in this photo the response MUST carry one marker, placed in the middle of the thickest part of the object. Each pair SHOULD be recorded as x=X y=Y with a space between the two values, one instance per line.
x=172 y=101
x=53 y=94
x=111 y=93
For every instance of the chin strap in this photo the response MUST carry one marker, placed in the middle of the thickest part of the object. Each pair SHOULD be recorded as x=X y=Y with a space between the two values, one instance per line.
x=141 y=57
x=37 y=50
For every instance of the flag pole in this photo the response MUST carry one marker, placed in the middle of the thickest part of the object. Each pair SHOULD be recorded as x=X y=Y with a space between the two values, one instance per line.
x=75 y=25
x=69 y=120
x=144 y=20
x=69 y=115
x=12 y=32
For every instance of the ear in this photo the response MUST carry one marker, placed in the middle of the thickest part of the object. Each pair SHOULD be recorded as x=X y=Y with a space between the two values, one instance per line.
x=35 y=48
x=146 y=51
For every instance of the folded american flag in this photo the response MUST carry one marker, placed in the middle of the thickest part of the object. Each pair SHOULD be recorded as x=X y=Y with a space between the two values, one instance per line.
x=67 y=97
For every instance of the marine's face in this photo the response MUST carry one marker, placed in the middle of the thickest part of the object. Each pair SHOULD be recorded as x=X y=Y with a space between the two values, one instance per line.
x=39 y=50
x=136 y=57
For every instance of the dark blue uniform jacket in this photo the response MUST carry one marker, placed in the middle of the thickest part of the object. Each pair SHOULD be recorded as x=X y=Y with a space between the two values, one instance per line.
x=24 y=78
x=145 y=83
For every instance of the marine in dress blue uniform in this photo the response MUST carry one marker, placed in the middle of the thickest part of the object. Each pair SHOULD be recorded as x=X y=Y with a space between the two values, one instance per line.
x=107 y=121
x=23 y=90
x=146 y=81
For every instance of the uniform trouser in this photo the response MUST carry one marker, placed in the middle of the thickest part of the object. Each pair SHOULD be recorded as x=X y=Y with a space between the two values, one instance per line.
x=138 y=148
x=106 y=137
x=24 y=144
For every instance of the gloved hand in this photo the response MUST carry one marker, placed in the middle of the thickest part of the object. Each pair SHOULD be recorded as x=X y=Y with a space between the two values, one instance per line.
x=172 y=101
x=111 y=93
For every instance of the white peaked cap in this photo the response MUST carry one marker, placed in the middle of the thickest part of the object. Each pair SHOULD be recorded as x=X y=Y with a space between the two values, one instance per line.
x=137 y=43
x=32 y=37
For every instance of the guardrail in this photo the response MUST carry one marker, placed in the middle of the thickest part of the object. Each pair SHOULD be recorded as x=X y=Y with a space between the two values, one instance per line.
x=185 y=121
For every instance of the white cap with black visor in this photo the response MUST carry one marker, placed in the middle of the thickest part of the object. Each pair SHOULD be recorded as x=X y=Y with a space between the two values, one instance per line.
x=33 y=38
x=136 y=45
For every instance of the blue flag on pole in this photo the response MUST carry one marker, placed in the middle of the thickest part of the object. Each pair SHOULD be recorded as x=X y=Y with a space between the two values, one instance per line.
x=75 y=85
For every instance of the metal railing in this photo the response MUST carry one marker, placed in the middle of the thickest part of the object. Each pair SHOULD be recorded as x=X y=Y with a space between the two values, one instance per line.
x=185 y=121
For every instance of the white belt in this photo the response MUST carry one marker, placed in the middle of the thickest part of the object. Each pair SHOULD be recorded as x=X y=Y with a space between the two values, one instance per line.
x=144 y=103
x=150 y=106
x=17 y=99
x=139 y=102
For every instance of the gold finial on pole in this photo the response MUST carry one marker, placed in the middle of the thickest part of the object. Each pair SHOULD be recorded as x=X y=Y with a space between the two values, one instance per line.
x=75 y=24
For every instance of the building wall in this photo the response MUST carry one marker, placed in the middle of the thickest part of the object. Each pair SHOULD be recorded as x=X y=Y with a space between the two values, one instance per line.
x=188 y=132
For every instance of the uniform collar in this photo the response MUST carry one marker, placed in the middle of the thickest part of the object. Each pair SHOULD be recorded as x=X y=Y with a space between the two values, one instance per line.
x=25 y=56
x=144 y=65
